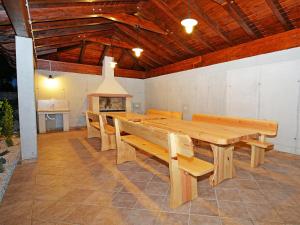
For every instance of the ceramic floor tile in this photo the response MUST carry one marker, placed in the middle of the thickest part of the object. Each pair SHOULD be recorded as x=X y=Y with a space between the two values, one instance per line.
x=228 y=194
x=73 y=183
x=263 y=213
x=233 y=210
x=204 y=207
x=165 y=218
x=204 y=220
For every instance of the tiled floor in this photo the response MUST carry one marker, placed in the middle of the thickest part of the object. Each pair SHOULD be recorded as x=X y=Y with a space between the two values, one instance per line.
x=73 y=183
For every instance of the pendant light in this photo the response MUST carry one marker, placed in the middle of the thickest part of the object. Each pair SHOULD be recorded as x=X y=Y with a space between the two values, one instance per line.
x=113 y=63
x=189 y=22
x=137 y=50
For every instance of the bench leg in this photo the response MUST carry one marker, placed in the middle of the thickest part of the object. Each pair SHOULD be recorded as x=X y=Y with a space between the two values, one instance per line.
x=183 y=186
x=257 y=156
x=223 y=163
x=92 y=132
x=125 y=152
x=112 y=142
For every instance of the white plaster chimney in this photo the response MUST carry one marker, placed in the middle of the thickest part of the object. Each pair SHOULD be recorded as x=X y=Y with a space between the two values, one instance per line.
x=109 y=84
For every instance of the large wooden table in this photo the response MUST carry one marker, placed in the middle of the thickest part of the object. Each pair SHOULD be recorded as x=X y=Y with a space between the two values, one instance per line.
x=220 y=137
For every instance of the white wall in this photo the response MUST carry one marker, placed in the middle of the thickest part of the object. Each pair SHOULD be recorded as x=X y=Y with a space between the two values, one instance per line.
x=75 y=87
x=265 y=87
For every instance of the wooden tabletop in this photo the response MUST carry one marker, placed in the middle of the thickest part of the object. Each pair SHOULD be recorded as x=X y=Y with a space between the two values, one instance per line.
x=135 y=117
x=212 y=133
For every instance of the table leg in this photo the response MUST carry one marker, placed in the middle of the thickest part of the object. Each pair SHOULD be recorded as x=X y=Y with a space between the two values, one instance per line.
x=223 y=162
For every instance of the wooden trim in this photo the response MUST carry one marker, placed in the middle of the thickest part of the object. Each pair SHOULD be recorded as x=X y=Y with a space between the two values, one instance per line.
x=86 y=69
x=277 y=42
x=176 y=67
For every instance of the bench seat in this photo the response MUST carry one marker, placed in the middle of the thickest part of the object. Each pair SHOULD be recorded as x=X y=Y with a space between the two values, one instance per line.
x=95 y=125
x=259 y=144
x=193 y=166
x=109 y=129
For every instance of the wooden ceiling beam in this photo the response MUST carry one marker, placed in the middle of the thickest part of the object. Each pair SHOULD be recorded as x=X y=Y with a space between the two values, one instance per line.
x=176 y=67
x=280 y=14
x=43 y=3
x=201 y=15
x=56 y=46
x=163 y=7
x=71 y=31
x=18 y=15
x=277 y=42
x=110 y=41
x=79 y=12
x=82 y=51
x=68 y=38
x=62 y=24
x=103 y=53
x=134 y=21
x=145 y=43
x=240 y=17
x=85 y=69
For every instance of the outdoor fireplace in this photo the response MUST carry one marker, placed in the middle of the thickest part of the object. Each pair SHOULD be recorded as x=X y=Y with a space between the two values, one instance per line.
x=110 y=96
x=109 y=102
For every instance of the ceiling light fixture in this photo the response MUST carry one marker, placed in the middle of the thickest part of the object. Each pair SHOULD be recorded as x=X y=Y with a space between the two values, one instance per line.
x=137 y=50
x=189 y=22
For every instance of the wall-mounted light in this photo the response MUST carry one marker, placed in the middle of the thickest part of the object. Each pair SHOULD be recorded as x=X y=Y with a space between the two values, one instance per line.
x=51 y=82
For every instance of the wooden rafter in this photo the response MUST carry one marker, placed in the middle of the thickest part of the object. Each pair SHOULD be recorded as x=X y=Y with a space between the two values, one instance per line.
x=63 y=24
x=240 y=17
x=72 y=31
x=82 y=51
x=110 y=41
x=103 y=53
x=163 y=7
x=86 y=69
x=68 y=38
x=134 y=21
x=18 y=15
x=280 y=14
x=44 y=14
x=201 y=15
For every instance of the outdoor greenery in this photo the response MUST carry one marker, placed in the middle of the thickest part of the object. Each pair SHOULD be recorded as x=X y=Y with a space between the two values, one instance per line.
x=6 y=121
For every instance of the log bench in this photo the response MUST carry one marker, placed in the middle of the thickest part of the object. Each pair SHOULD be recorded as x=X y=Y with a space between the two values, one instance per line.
x=167 y=114
x=172 y=148
x=263 y=127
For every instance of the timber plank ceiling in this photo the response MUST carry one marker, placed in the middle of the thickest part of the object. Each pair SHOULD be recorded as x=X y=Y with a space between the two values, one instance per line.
x=84 y=31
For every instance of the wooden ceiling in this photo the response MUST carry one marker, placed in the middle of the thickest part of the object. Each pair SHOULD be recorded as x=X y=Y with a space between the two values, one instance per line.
x=84 y=31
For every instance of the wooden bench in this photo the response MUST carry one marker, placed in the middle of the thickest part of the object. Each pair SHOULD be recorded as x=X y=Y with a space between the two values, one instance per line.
x=93 y=124
x=175 y=149
x=263 y=127
x=108 y=137
x=167 y=114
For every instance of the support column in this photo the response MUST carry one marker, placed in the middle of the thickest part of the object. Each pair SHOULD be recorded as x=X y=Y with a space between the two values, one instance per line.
x=26 y=97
